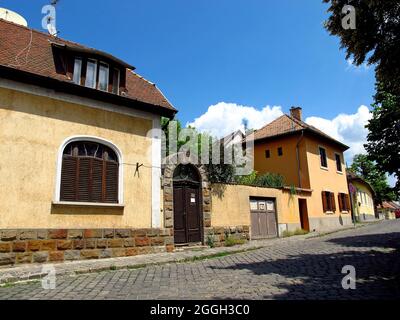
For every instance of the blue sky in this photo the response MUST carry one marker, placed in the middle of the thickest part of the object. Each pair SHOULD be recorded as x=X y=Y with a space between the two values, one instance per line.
x=237 y=56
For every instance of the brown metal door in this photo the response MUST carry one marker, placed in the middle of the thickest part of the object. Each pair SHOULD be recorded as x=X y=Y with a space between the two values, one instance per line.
x=263 y=219
x=187 y=222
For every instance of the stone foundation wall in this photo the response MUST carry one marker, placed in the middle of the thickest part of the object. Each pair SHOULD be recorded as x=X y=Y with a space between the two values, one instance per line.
x=218 y=234
x=56 y=245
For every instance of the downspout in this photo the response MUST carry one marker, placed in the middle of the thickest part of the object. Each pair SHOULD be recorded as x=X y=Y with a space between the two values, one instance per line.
x=298 y=157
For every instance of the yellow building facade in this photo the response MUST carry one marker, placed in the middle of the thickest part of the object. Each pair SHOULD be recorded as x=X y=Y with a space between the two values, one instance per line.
x=307 y=159
x=364 y=208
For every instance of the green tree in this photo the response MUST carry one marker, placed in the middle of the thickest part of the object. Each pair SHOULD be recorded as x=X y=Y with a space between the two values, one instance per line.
x=376 y=38
x=376 y=41
x=384 y=134
x=223 y=173
x=366 y=169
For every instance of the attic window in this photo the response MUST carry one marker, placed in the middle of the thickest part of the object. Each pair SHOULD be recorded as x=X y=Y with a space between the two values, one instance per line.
x=103 y=76
x=116 y=81
x=77 y=71
x=96 y=75
x=91 y=74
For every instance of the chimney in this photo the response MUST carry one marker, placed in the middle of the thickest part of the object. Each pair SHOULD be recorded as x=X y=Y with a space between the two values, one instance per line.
x=295 y=112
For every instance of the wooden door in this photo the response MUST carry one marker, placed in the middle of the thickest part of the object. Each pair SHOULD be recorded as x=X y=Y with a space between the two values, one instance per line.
x=263 y=219
x=187 y=219
x=305 y=225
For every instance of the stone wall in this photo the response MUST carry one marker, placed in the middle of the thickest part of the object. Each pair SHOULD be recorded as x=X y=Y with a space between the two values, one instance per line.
x=218 y=234
x=56 y=245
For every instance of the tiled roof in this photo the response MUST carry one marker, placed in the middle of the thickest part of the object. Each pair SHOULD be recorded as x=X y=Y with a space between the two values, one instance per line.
x=287 y=124
x=31 y=51
x=351 y=176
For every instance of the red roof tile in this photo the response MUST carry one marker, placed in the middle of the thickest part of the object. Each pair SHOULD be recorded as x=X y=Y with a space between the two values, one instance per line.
x=287 y=124
x=29 y=50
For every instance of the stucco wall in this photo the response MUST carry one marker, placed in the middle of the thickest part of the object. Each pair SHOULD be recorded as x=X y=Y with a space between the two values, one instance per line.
x=364 y=210
x=32 y=129
x=326 y=180
x=286 y=164
x=231 y=205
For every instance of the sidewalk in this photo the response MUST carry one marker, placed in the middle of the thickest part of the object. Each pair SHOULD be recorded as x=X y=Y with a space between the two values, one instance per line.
x=36 y=271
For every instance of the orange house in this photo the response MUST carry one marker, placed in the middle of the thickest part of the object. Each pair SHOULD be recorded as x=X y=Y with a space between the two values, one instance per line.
x=311 y=161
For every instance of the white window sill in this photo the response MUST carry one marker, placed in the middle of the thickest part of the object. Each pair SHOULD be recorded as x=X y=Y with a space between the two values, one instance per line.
x=88 y=204
x=339 y=172
x=324 y=168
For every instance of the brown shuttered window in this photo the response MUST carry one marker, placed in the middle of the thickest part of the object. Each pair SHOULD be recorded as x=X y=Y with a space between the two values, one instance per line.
x=340 y=200
x=344 y=202
x=328 y=201
x=89 y=173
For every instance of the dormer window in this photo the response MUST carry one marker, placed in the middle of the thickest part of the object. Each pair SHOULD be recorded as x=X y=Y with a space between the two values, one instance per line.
x=96 y=75
x=91 y=74
x=103 y=77
x=116 y=81
x=77 y=71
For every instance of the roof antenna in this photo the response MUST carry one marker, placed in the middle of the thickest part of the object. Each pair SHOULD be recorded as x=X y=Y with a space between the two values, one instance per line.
x=49 y=20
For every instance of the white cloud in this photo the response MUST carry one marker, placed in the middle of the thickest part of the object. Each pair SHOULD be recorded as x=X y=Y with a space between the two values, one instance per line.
x=224 y=118
x=352 y=66
x=347 y=128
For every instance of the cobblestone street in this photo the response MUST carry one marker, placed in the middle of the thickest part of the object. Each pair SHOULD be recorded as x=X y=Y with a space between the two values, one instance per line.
x=305 y=269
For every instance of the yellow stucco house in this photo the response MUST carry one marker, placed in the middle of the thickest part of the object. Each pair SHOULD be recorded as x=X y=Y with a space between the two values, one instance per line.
x=81 y=152
x=310 y=161
x=363 y=198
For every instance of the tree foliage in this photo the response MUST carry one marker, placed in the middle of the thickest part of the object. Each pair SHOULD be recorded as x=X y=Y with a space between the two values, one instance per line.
x=269 y=180
x=366 y=169
x=376 y=41
x=217 y=173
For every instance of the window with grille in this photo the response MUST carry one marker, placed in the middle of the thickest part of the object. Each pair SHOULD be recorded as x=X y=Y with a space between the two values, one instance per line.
x=89 y=173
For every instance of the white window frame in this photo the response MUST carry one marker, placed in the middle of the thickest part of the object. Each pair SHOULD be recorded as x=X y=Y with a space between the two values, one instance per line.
x=91 y=139
x=319 y=157
x=95 y=73
x=119 y=80
x=108 y=75
x=341 y=163
x=74 y=74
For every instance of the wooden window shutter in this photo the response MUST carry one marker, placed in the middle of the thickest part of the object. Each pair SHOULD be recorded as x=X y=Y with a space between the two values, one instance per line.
x=342 y=205
x=97 y=180
x=68 y=179
x=324 y=201
x=84 y=180
x=333 y=204
x=89 y=173
x=347 y=200
x=111 y=186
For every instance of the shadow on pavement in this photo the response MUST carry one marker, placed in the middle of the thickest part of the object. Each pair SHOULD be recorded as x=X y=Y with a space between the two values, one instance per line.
x=318 y=276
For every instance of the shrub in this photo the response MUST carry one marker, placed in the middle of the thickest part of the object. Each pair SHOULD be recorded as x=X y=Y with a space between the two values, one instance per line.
x=210 y=241
x=269 y=180
x=230 y=241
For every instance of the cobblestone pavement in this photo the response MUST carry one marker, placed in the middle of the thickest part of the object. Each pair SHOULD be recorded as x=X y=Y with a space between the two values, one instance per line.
x=304 y=269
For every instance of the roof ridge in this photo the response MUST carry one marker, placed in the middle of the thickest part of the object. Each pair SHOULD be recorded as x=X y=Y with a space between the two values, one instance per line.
x=270 y=123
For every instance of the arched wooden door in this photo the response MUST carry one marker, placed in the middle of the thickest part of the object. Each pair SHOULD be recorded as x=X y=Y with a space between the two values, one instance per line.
x=187 y=205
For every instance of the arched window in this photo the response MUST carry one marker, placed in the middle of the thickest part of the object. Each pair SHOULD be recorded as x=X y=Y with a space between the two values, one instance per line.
x=89 y=173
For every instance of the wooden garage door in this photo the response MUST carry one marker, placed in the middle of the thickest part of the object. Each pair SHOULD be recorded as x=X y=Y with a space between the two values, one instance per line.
x=263 y=219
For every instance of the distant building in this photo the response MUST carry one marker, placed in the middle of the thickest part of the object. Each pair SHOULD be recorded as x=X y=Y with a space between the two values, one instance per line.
x=363 y=198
